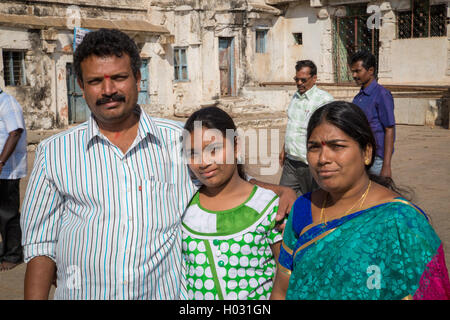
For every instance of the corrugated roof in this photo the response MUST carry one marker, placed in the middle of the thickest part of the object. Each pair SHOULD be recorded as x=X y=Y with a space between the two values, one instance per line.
x=34 y=22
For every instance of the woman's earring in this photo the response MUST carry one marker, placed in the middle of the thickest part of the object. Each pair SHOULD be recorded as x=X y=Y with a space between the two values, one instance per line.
x=367 y=162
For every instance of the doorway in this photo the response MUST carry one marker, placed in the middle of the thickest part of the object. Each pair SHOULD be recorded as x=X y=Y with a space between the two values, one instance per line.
x=143 y=93
x=351 y=34
x=226 y=67
x=78 y=109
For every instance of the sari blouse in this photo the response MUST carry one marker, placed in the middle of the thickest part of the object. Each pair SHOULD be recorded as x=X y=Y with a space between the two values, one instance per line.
x=389 y=251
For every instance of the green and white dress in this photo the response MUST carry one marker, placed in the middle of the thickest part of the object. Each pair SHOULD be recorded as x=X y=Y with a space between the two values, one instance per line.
x=227 y=253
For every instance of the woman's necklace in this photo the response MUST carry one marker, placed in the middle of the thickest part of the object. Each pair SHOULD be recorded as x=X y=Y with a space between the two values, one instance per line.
x=362 y=199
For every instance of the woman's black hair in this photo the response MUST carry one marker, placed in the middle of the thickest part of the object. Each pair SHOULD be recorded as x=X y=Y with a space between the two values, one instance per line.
x=349 y=118
x=214 y=118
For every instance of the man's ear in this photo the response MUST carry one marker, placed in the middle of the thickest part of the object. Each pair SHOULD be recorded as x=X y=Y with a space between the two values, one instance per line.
x=372 y=71
x=81 y=85
x=138 y=80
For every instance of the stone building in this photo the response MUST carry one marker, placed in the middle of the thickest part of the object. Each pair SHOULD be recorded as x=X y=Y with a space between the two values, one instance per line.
x=36 y=51
x=238 y=54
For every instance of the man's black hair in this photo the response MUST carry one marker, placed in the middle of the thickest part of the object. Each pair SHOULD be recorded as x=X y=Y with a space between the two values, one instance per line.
x=306 y=63
x=368 y=60
x=104 y=43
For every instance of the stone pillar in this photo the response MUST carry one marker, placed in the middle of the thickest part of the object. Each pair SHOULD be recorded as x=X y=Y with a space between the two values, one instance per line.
x=326 y=44
x=387 y=35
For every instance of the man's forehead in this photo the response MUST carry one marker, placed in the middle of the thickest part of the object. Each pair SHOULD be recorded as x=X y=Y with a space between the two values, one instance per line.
x=107 y=57
x=113 y=63
x=305 y=69
x=358 y=65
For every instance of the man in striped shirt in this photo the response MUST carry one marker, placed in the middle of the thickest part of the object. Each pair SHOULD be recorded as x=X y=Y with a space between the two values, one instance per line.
x=104 y=201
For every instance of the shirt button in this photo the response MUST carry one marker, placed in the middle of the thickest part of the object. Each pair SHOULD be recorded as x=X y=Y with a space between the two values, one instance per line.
x=221 y=263
x=216 y=242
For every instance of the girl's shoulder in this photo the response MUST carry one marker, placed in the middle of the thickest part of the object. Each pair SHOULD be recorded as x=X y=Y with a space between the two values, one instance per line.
x=202 y=223
x=261 y=197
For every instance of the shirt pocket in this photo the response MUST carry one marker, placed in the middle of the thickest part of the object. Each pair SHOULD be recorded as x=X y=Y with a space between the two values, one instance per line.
x=159 y=201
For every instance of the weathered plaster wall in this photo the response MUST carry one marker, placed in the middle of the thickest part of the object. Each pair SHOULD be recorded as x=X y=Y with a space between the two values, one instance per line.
x=283 y=52
x=420 y=61
x=36 y=97
x=44 y=98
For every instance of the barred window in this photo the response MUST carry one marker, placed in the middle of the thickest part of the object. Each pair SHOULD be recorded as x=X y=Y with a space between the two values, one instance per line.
x=261 y=39
x=180 y=64
x=423 y=20
x=14 y=68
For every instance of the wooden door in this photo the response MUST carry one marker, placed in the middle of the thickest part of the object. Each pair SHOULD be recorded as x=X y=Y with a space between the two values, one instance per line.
x=226 y=66
x=78 y=108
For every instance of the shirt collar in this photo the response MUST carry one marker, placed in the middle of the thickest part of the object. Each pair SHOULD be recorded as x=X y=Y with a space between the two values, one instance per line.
x=308 y=94
x=146 y=127
x=370 y=88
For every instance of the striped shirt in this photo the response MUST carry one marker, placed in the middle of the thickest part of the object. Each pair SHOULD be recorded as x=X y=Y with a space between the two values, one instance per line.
x=110 y=221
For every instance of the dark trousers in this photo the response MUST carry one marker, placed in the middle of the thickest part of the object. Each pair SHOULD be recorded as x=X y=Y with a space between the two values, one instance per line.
x=11 y=250
x=296 y=175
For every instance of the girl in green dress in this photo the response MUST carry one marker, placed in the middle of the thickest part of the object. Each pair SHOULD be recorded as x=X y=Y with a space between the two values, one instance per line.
x=230 y=244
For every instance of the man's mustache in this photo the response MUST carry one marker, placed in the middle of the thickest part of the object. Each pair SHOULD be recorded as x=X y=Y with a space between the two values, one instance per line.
x=113 y=98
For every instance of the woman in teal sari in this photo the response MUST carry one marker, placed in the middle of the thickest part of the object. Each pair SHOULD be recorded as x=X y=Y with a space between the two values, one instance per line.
x=355 y=237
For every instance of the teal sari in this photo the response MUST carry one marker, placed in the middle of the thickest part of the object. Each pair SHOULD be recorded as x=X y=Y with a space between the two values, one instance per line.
x=386 y=252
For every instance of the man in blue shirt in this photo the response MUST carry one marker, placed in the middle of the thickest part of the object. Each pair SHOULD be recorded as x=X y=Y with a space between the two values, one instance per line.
x=378 y=105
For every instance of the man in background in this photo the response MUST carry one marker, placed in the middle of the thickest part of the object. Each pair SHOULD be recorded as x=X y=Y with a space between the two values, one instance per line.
x=305 y=101
x=13 y=167
x=378 y=105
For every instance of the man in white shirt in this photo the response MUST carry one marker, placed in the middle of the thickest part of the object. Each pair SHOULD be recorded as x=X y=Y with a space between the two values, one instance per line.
x=307 y=99
x=13 y=167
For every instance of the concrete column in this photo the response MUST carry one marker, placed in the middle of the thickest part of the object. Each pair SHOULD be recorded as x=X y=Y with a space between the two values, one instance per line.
x=387 y=34
x=326 y=44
